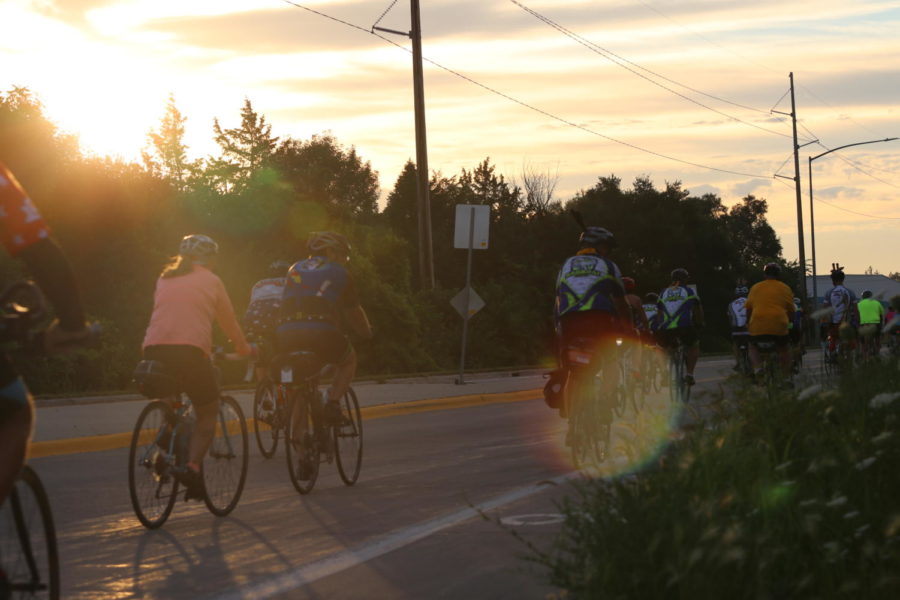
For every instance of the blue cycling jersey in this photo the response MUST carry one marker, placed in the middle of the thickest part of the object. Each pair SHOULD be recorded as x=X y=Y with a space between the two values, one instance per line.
x=676 y=307
x=588 y=282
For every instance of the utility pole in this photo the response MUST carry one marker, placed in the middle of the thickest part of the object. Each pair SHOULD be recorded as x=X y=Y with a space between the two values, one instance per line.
x=796 y=178
x=423 y=201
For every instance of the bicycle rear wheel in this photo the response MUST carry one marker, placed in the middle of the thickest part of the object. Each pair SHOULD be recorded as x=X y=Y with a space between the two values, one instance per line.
x=28 y=553
x=588 y=437
x=301 y=445
x=265 y=410
x=151 y=485
x=348 y=440
x=225 y=466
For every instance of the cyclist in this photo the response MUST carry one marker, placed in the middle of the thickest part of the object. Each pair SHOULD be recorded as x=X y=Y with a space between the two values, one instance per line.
x=871 y=320
x=737 y=317
x=639 y=323
x=651 y=311
x=590 y=307
x=770 y=307
x=796 y=331
x=261 y=317
x=843 y=302
x=681 y=316
x=25 y=235
x=320 y=302
x=189 y=297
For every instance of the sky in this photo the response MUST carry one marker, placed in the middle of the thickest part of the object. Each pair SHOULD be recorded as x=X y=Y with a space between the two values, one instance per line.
x=675 y=90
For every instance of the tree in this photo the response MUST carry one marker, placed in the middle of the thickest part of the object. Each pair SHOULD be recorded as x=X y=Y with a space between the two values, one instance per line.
x=169 y=153
x=539 y=187
x=245 y=150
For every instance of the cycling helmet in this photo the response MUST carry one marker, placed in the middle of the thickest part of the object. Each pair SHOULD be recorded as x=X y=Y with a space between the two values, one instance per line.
x=323 y=240
x=629 y=284
x=279 y=268
x=680 y=274
x=595 y=236
x=651 y=298
x=198 y=246
x=772 y=269
x=741 y=290
x=867 y=294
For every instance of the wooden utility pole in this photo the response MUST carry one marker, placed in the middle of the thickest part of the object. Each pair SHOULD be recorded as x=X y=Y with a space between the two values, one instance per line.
x=426 y=258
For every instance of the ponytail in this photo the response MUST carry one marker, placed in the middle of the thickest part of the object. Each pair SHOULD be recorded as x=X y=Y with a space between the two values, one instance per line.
x=178 y=266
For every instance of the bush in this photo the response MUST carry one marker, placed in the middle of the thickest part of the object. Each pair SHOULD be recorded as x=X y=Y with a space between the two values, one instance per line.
x=791 y=496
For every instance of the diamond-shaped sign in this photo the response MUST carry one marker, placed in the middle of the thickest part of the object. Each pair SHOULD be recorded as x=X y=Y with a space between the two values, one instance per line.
x=459 y=302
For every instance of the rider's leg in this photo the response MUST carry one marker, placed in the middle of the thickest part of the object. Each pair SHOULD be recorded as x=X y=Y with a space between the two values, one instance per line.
x=343 y=377
x=15 y=432
x=691 y=356
x=204 y=430
x=755 y=359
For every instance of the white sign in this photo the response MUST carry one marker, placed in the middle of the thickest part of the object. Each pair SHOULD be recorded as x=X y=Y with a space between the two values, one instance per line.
x=482 y=225
x=459 y=302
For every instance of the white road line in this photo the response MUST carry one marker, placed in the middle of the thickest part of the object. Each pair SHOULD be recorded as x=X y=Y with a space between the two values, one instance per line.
x=347 y=559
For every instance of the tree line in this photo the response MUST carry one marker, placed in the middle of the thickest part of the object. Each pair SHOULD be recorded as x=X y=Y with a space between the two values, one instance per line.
x=261 y=195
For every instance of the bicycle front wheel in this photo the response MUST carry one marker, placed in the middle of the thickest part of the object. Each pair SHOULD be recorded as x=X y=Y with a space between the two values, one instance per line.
x=151 y=485
x=28 y=554
x=225 y=466
x=264 y=412
x=348 y=439
x=301 y=446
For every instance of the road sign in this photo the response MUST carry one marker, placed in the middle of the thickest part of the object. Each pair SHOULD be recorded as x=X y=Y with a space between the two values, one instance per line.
x=464 y=217
x=459 y=302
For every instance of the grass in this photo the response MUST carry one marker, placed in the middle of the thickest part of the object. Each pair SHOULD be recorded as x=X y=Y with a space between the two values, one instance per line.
x=792 y=495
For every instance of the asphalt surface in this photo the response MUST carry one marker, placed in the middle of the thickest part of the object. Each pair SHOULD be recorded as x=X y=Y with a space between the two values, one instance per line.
x=424 y=520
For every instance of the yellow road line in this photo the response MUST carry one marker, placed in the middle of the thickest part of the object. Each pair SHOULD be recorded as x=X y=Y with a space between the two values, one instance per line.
x=113 y=441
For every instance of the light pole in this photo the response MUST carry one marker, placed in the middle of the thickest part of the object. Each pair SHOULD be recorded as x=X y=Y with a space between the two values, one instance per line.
x=812 y=227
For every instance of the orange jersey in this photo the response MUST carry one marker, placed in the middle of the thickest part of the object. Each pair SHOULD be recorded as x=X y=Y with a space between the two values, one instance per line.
x=770 y=302
x=21 y=224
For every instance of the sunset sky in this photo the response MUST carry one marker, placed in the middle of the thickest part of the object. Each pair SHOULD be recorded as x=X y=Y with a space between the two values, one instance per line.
x=695 y=82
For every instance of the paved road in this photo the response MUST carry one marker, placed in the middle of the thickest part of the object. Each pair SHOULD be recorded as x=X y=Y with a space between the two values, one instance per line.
x=408 y=529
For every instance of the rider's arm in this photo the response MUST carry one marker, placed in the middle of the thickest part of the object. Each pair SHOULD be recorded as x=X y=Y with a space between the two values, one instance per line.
x=228 y=322
x=358 y=321
x=52 y=272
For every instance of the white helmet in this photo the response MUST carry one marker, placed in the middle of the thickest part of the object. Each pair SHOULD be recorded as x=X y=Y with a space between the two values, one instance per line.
x=323 y=240
x=198 y=246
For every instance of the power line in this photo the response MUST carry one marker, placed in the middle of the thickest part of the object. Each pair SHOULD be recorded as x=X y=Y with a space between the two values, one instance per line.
x=854 y=212
x=529 y=106
x=852 y=163
x=386 y=11
x=615 y=58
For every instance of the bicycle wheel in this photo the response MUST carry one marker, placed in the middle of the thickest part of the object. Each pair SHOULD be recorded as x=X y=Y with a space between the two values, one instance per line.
x=151 y=485
x=225 y=466
x=621 y=400
x=265 y=410
x=348 y=440
x=301 y=446
x=588 y=437
x=676 y=375
x=28 y=553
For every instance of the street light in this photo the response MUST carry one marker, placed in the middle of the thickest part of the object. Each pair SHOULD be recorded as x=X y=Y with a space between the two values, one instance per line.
x=812 y=227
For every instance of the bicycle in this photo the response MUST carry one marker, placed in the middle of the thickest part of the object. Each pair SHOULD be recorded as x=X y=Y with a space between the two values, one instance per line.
x=159 y=446
x=308 y=440
x=590 y=420
x=627 y=390
x=270 y=415
x=679 y=390
x=744 y=367
x=651 y=372
x=29 y=557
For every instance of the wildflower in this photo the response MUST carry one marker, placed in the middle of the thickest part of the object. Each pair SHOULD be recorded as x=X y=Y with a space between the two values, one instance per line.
x=784 y=465
x=851 y=515
x=883 y=399
x=810 y=392
x=865 y=463
x=839 y=501
x=861 y=530
x=808 y=503
x=882 y=437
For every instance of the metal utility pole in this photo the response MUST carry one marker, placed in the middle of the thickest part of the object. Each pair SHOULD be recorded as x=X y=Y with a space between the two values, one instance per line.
x=796 y=178
x=426 y=255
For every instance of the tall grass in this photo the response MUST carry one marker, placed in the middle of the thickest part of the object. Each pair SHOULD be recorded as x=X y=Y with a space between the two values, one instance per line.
x=792 y=495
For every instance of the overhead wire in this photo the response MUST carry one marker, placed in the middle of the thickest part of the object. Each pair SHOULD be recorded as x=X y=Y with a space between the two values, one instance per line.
x=619 y=60
x=852 y=163
x=529 y=106
x=386 y=11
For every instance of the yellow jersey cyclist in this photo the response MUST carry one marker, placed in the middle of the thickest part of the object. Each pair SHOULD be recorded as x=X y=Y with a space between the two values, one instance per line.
x=680 y=317
x=25 y=235
x=590 y=307
x=871 y=320
x=319 y=305
x=770 y=308
x=189 y=298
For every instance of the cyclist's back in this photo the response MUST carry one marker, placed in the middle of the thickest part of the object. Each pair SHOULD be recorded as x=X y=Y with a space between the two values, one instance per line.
x=680 y=318
x=320 y=302
x=844 y=318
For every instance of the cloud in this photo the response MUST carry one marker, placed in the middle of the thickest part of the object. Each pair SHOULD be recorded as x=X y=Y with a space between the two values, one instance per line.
x=840 y=191
x=748 y=187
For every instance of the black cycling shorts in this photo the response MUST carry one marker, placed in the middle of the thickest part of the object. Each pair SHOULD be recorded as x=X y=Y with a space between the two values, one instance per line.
x=780 y=340
x=192 y=368
x=330 y=345
x=688 y=335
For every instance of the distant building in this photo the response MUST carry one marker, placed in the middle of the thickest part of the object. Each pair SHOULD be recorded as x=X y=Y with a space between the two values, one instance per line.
x=883 y=288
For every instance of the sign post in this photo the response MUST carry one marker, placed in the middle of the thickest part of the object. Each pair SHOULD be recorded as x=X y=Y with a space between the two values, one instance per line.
x=472 y=223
